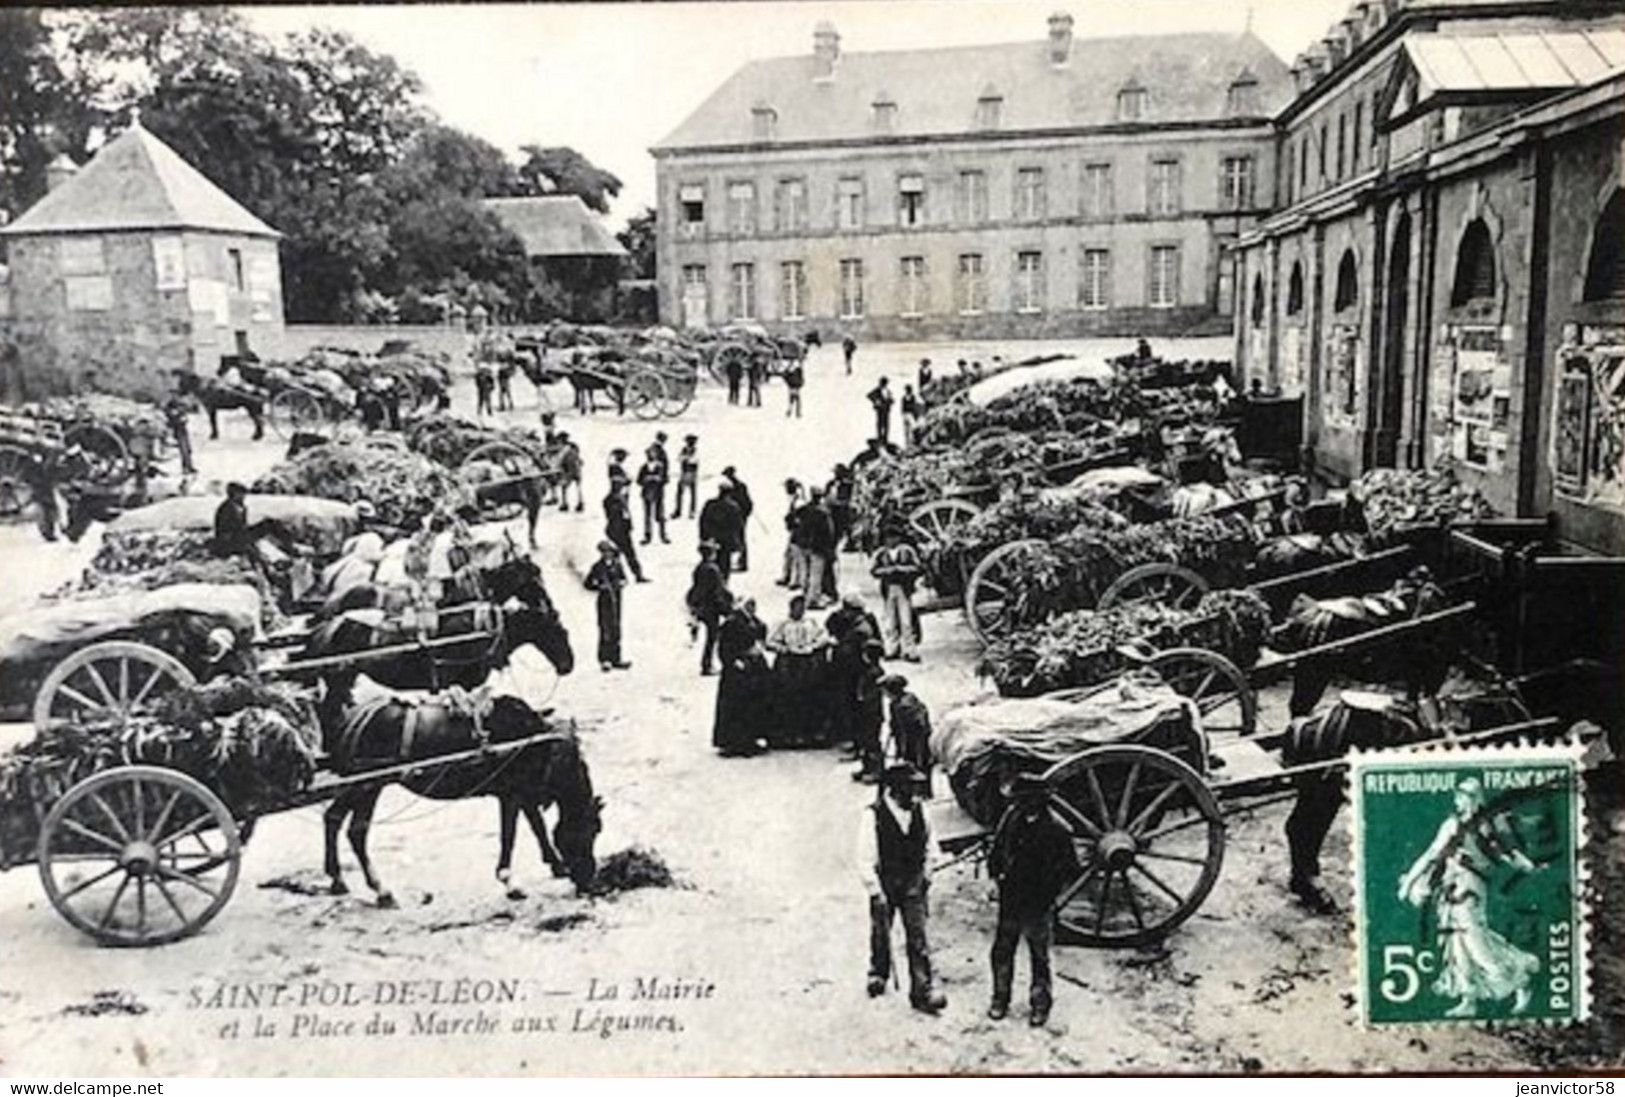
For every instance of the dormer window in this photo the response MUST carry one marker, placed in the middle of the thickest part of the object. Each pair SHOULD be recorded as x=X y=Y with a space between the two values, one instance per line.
x=1242 y=99
x=764 y=122
x=989 y=108
x=885 y=113
x=1131 y=102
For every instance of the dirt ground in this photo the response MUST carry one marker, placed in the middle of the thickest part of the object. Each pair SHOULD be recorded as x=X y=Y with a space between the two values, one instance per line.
x=755 y=963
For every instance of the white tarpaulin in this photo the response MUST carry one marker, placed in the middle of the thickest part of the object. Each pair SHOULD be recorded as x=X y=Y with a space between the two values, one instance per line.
x=76 y=623
x=986 y=391
x=324 y=524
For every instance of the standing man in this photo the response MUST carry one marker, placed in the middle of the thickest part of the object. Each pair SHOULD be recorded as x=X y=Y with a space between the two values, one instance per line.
x=652 y=487
x=880 y=398
x=506 y=366
x=910 y=729
x=897 y=566
x=618 y=528
x=795 y=564
x=708 y=600
x=734 y=370
x=722 y=523
x=815 y=534
x=843 y=487
x=753 y=381
x=924 y=375
x=569 y=471
x=484 y=381
x=1032 y=860
x=869 y=714
x=849 y=347
x=795 y=376
x=688 y=477
x=608 y=579
x=178 y=408
x=617 y=468
x=894 y=844
x=742 y=500
x=912 y=410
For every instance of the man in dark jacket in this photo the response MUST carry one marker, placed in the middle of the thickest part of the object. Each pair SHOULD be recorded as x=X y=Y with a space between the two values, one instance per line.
x=231 y=531
x=708 y=600
x=1032 y=860
x=618 y=528
x=893 y=851
x=741 y=497
x=652 y=488
x=853 y=629
x=880 y=398
x=722 y=522
x=607 y=579
x=815 y=535
x=910 y=728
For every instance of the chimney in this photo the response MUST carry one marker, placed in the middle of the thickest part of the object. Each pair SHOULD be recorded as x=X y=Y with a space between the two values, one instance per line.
x=826 y=49
x=59 y=171
x=1060 y=38
x=1336 y=48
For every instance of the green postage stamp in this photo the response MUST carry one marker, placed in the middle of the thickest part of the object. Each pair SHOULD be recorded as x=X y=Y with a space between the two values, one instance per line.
x=1469 y=886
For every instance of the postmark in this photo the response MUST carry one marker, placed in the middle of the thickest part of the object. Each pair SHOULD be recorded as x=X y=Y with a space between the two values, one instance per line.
x=1468 y=882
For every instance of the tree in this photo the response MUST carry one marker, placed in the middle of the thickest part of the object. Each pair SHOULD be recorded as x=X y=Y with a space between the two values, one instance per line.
x=566 y=171
x=638 y=238
x=44 y=110
x=443 y=158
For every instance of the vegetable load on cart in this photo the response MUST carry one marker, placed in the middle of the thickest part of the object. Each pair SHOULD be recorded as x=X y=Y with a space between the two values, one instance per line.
x=402 y=487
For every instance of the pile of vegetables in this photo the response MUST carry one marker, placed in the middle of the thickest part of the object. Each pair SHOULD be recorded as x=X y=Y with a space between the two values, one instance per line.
x=1076 y=405
x=1084 y=648
x=403 y=487
x=449 y=441
x=252 y=743
x=123 y=415
x=1396 y=499
x=120 y=567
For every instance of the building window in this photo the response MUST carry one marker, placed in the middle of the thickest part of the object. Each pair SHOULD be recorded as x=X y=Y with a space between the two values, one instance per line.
x=1258 y=301
x=1475 y=266
x=972 y=284
x=851 y=289
x=764 y=122
x=790 y=205
x=849 y=204
x=696 y=302
x=1605 y=270
x=742 y=209
x=1291 y=156
x=912 y=286
x=1243 y=96
x=1303 y=166
x=1342 y=143
x=971 y=200
x=911 y=201
x=989 y=108
x=1095 y=279
x=1322 y=152
x=792 y=290
x=1348 y=283
x=692 y=215
x=1030 y=202
x=1097 y=200
x=1294 y=291
x=1164 y=292
x=1162 y=198
x=885 y=113
x=1359 y=128
x=1029 y=281
x=742 y=291
x=1131 y=102
x=1236 y=182
x=234 y=262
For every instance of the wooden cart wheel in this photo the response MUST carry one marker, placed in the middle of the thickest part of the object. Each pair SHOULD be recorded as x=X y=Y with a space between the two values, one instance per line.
x=1227 y=701
x=107 y=682
x=1167 y=584
x=989 y=591
x=139 y=855
x=677 y=395
x=645 y=392
x=1150 y=842
x=411 y=393
x=109 y=457
x=727 y=352
x=15 y=490
x=293 y=411
x=933 y=521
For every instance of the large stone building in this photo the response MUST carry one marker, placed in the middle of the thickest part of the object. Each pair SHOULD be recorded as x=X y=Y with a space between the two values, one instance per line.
x=1445 y=262
x=1066 y=185
x=130 y=267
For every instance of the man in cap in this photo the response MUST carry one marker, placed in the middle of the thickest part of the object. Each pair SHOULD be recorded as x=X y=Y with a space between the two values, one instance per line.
x=815 y=536
x=688 y=477
x=618 y=527
x=868 y=714
x=880 y=398
x=722 y=522
x=898 y=567
x=231 y=533
x=708 y=600
x=893 y=850
x=1032 y=860
x=910 y=728
x=794 y=574
x=569 y=471
x=652 y=478
x=741 y=497
x=853 y=629
x=617 y=467
x=608 y=579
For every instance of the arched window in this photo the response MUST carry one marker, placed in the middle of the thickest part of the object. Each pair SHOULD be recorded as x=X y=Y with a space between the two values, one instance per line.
x=1348 y=289
x=1258 y=300
x=1605 y=273
x=1294 y=291
x=1475 y=266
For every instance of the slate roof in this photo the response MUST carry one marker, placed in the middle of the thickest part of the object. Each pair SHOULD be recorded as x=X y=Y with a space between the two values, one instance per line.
x=1528 y=61
x=1187 y=78
x=135 y=181
x=554 y=225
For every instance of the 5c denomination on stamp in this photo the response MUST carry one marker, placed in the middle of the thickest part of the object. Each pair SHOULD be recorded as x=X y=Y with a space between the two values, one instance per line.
x=1468 y=883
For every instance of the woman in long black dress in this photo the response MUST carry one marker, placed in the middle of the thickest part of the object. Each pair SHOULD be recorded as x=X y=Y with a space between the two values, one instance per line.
x=800 y=649
x=742 y=691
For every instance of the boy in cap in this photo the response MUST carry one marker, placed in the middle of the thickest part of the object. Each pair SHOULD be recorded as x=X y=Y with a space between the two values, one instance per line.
x=894 y=845
x=708 y=600
x=652 y=478
x=910 y=728
x=618 y=527
x=608 y=579
x=1032 y=860
x=688 y=477
x=898 y=567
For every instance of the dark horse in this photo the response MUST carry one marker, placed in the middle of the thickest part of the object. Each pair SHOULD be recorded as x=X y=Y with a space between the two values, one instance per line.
x=524 y=780
x=217 y=396
x=517 y=577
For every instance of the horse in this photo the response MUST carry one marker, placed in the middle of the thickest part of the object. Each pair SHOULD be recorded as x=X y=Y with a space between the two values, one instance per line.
x=498 y=582
x=526 y=780
x=216 y=396
x=607 y=374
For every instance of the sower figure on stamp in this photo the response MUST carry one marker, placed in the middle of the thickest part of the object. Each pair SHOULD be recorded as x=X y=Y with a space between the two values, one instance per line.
x=1032 y=860
x=894 y=845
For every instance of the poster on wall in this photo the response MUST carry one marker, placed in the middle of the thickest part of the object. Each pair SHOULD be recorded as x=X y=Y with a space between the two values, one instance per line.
x=169 y=262
x=1339 y=401
x=1479 y=412
x=261 y=280
x=1588 y=426
x=209 y=296
x=1291 y=378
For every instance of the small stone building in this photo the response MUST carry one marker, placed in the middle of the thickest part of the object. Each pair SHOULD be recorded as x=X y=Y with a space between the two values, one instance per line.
x=128 y=268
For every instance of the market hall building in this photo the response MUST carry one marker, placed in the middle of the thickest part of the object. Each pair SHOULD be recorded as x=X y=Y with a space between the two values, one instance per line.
x=1061 y=186
x=1442 y=280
